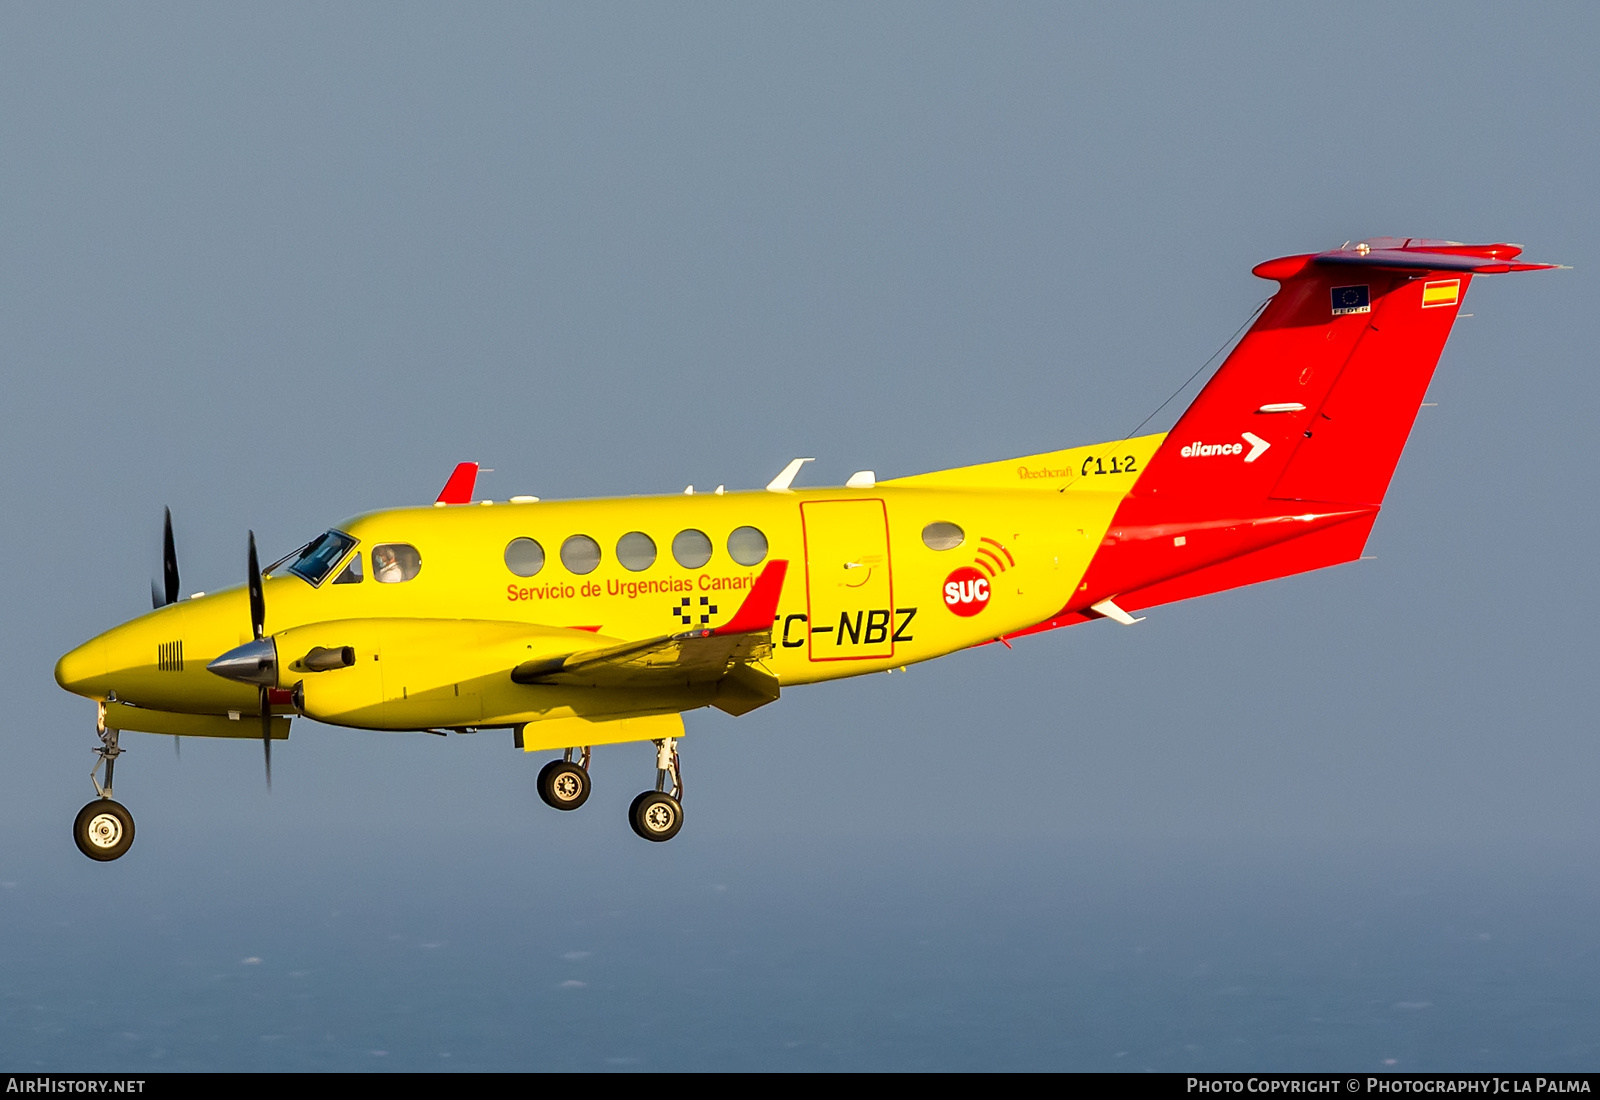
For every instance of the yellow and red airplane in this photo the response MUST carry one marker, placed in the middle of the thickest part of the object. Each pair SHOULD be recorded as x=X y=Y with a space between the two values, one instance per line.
x=578 y=623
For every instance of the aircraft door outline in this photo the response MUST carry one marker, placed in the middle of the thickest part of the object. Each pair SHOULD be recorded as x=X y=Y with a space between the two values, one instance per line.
x=849 y=580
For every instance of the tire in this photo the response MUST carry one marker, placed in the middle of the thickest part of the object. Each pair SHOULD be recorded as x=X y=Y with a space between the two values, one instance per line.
x=563 y=785
x=103 y=830
x=656 y=816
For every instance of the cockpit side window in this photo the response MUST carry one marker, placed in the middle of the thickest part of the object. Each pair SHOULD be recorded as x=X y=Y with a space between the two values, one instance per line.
x=317 y=560
x=394 y=562
x=350 y=574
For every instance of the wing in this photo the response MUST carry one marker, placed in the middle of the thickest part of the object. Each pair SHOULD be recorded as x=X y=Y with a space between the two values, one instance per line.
x=727 y=656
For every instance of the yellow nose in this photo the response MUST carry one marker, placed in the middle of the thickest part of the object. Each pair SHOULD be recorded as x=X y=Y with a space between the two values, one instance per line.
x=83 y=671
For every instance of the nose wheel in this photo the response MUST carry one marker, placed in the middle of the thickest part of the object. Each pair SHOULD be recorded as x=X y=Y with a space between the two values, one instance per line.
x=564 y=784
x=103 y=830
x=658 y=815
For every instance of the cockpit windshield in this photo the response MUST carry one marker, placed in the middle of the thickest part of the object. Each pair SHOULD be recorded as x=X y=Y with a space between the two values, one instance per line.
x=319 y=557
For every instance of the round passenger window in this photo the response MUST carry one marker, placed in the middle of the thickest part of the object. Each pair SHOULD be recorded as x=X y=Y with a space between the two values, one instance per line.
x=747 y=546
x=943 y=536
x=691 y=548
x=580 y=554
x=524 y=557
x=394 y=562
x=636 y=550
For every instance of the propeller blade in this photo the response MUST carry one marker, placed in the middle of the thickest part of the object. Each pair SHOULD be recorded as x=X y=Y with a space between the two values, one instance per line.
x=169 y=560
x=258 y=602
x=155 y=595
x=266 y=735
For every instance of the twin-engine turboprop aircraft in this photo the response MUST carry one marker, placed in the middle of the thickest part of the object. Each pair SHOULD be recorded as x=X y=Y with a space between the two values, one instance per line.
x=580 y=623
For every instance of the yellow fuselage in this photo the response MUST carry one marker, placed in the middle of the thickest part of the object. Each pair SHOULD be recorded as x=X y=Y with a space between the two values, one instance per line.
x=865 y=592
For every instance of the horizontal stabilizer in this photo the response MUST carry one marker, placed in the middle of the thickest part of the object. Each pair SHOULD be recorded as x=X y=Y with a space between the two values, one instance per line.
x=1408 y=254
x=1317 y=549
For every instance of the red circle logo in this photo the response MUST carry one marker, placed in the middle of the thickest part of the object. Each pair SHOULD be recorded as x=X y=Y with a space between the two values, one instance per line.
x=966 y=591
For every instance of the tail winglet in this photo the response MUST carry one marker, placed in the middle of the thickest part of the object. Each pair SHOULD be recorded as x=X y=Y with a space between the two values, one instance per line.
x=761 y=605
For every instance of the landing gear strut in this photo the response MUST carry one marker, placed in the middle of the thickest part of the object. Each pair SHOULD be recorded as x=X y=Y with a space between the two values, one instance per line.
x=103 y=829
x=563 y=784
x=658 y=815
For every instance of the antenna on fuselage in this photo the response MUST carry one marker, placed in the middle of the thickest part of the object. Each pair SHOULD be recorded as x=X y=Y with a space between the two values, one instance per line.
x=781 y=483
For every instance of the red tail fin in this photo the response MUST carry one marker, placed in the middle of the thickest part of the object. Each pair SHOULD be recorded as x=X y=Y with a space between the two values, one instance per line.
x=1317 y=400
x=1282 y=461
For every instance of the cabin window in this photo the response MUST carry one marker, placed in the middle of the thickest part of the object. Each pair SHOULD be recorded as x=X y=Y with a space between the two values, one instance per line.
x=691 y=548
x=580 y=554
x=943 y=536
x=747 y=546
x=351 y=573
x=636 y=550
x=319 y=557
x=395 y=562
x=524 y=557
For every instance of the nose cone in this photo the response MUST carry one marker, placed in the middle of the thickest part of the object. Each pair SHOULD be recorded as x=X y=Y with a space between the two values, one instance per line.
x=83 y=671
x=252 y=663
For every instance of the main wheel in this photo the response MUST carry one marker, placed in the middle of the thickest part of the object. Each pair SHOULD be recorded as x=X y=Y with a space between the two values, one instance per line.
x=563 y=785
x=656 y=816
x=103 y=830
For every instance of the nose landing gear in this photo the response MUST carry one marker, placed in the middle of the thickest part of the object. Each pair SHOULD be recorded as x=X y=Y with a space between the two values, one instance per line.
x=103 y=829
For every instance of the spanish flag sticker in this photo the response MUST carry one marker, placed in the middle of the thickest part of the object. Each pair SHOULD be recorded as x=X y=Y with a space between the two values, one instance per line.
x=1445 y=292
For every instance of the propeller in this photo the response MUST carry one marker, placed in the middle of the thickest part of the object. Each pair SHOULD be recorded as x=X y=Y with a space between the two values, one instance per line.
x=160 y=597
x=256 y=661
x=258 y=600
x=258 y=622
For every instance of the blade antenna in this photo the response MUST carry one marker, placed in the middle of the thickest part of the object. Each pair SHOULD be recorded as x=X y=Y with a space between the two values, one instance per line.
x=1254 y=313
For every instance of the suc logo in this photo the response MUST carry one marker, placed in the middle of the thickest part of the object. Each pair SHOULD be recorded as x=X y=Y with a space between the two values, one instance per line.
x=966 y=591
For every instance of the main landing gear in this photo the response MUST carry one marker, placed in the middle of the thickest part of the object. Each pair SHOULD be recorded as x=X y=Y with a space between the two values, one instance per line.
x=655 y=815
x=103 y=829
x=563 y=784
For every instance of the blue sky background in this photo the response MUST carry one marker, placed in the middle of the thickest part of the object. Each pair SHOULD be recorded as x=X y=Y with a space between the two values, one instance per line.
x=276 y=265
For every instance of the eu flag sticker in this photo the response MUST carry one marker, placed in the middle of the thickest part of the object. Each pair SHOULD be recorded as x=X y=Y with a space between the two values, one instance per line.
x=1351 y=299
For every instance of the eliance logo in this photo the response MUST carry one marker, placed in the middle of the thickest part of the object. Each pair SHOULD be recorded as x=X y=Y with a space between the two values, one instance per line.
x=1205 y=450
x=1198 y=449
